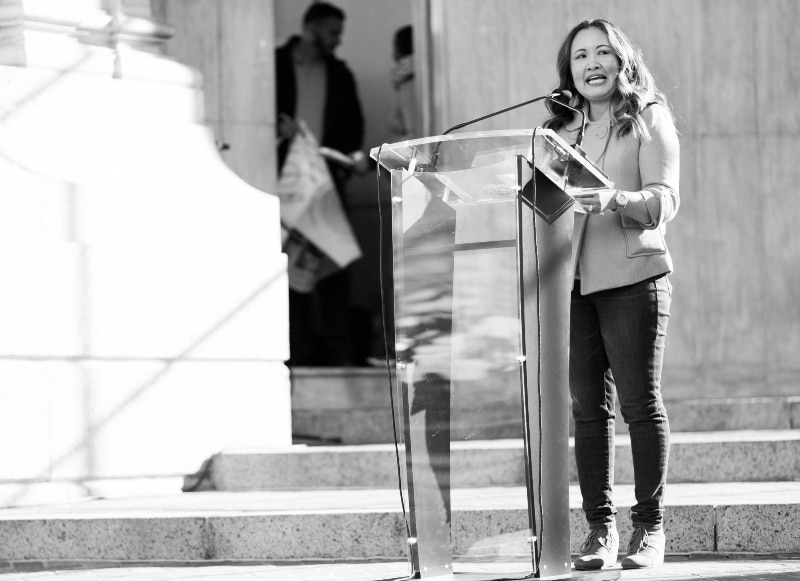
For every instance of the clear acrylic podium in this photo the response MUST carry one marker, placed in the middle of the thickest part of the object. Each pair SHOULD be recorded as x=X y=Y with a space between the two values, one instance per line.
x=481 y=264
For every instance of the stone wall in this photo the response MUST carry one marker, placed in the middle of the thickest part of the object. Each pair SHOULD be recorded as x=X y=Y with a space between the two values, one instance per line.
x=143 y=292
x=231 y=44
x=729 y=68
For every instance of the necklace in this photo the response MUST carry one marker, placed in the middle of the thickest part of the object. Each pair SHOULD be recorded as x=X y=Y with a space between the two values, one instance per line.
x=604 y=131
x=601 y=131
x=599 y=128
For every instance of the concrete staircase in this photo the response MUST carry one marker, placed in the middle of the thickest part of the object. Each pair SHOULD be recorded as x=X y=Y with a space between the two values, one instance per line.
x=734 y=488
x=352 y=406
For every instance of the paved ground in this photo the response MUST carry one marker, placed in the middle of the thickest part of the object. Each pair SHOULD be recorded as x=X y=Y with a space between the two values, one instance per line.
x=677 y=568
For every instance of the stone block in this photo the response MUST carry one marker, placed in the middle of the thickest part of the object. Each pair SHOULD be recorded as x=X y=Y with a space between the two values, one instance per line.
x=758 y=528
x=373 y=425
x=150 y=246
x=794 y=412
x=335 y=388
x=143 y=292
x=703 y=457
x=350 y=535
x=325 y=401
x=746 y=413
x=487 y=534
x=41 y=299
x=120 y=539
x=745 y=457
x=170 y=303
x=183 y=412
x=250 y=144
x=34 y=208
x=306 y=467
x=90 y=419
x=355 y=426
x=499 y=463
x=368 y=523
x=68 y=300
x=20 y=494
x=48 y=424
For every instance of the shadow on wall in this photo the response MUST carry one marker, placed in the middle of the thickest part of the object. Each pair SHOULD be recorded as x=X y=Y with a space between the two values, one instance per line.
x=142 y=288
x=94 y=428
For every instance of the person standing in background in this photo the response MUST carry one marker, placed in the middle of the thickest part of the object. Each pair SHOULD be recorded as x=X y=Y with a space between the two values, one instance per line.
x=316 y=87
x=403 y=116
x=402 y=120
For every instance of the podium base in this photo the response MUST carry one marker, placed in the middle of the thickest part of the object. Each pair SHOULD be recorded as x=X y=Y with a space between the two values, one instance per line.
x=601 y=575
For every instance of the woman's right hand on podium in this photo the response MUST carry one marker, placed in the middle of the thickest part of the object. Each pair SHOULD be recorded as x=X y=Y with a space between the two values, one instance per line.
x=595 y=201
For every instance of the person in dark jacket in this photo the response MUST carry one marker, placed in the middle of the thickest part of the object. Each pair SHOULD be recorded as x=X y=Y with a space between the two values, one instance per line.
x=316 y=87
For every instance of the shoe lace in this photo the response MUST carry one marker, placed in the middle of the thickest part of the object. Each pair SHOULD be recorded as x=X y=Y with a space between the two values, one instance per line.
x=601 y=536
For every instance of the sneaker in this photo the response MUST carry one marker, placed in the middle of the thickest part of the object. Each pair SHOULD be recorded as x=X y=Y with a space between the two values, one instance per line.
x=646 y=549
x=600 y=549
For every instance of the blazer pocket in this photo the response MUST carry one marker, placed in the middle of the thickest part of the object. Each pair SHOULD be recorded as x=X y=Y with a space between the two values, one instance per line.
x=642 y=241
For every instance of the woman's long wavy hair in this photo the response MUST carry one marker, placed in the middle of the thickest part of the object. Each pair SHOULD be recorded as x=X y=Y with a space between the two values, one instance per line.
x=636 y=88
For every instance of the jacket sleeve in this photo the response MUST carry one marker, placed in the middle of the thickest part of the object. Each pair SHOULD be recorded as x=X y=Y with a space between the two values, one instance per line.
x=285 y=96
x=344 y=121
x=659 y=166
x=355 y=116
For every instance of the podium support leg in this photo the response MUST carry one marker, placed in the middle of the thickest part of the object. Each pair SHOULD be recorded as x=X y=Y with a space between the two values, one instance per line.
x=546 y=248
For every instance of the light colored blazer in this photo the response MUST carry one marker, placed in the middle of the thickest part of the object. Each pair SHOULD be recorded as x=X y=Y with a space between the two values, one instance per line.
x=612 y=249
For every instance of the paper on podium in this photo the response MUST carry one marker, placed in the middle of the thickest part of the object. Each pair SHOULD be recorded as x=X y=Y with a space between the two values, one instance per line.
x=486 y=161
x=567 y=167
x=478 y=184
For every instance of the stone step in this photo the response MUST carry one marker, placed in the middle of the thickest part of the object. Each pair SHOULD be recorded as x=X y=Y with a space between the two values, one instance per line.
x=734 y=456
x=352 y=406
x=368 y=523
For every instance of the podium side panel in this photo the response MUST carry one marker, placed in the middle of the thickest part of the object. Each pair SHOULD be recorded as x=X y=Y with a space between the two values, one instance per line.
x=547 y=249
x=420 y=225
x=457 y=346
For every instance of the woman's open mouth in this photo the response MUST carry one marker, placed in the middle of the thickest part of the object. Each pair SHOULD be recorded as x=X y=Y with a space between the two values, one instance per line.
x=595 y=80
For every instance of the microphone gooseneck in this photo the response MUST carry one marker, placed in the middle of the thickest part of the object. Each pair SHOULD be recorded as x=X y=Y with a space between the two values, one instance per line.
x=551 y=96
x=567 y=95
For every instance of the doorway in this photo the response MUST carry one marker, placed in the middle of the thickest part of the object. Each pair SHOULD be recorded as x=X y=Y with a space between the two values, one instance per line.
x=367 y=49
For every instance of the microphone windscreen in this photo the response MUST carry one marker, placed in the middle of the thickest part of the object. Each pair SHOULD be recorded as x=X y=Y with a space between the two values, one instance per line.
x=566 y=95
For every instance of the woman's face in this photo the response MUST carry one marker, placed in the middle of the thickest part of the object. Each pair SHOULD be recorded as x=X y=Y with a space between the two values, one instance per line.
x=594 y=66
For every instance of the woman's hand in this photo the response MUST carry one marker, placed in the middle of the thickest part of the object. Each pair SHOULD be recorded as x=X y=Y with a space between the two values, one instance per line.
x=596 y=201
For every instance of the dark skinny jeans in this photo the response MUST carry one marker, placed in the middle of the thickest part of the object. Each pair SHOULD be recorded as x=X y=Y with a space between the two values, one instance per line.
x=617 y=347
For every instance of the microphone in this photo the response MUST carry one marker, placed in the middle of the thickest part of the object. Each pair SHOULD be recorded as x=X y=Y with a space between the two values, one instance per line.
x=567 y=94
x=552 y=96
